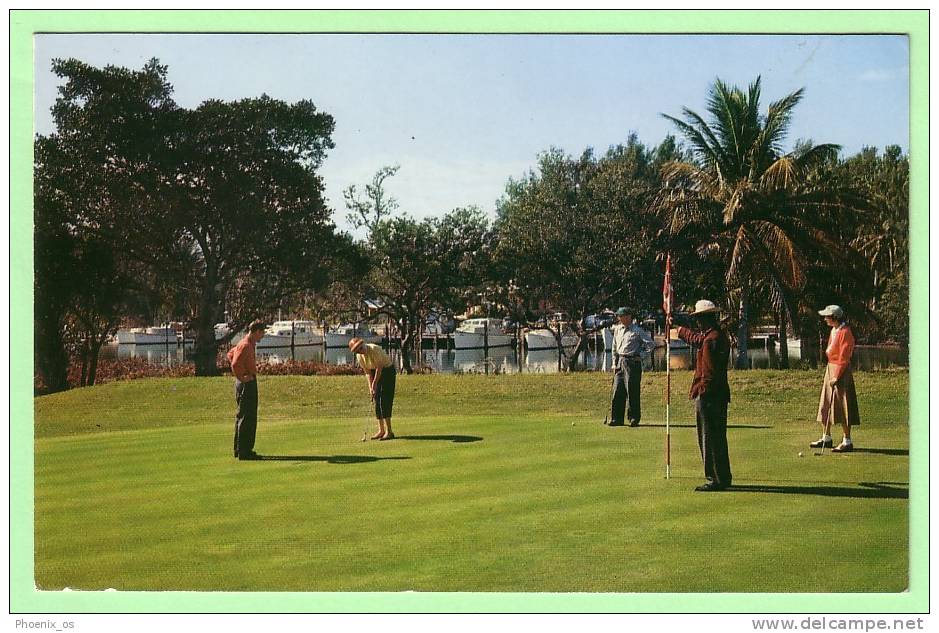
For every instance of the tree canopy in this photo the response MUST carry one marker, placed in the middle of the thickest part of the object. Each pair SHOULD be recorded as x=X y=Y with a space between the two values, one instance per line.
x=753 y=205
x=576 y=234
x=222 y=201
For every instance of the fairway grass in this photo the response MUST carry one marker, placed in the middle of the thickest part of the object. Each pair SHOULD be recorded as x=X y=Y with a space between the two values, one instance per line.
x=498 y=483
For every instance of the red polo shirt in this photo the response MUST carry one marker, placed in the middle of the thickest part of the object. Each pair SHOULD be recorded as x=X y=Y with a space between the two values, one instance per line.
x=242 y=358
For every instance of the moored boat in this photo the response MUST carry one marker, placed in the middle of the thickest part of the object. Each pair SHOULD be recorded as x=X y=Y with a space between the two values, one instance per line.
x=544 y=338
x=341 y=335
x=147 y=336
x=287 y=333
x=479 y=333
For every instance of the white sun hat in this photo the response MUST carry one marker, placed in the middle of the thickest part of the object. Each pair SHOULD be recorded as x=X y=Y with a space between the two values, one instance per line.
x=705 y=307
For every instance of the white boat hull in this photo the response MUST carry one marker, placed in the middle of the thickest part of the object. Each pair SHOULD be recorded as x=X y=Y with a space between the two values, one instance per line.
x=334 y=339
x=299 y=340
x=127 y=337
x=467 y=340
x=544 y=339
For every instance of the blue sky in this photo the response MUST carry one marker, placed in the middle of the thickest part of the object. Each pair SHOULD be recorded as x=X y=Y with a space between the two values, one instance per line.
x=462 y=113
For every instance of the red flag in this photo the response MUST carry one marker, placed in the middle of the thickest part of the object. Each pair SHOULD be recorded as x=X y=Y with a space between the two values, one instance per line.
x=668 y=293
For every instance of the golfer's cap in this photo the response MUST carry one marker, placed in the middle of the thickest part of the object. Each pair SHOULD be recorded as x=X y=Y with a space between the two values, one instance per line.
x=704 y=306
x=832 y=311
x=624 y=311
x=354 y=343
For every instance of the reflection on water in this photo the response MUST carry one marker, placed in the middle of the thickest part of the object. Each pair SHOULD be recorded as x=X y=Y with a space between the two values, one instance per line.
x=504 y=360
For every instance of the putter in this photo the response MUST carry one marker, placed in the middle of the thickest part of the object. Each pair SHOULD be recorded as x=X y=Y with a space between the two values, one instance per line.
x=367 y=421
x=821 y=451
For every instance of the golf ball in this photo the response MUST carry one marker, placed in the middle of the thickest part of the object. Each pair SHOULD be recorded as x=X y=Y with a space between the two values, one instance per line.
x=572 y=424
x=800 y=453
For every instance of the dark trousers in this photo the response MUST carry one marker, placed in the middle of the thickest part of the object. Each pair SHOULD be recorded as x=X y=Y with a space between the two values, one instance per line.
x=626 y=381
x=246 y=418
x=711 y=415
x=385 y=393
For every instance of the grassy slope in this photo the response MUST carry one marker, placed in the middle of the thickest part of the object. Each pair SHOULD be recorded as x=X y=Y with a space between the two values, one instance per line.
x=489 y=488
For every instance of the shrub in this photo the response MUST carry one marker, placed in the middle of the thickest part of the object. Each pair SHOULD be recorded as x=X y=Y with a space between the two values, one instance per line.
x=134 y=368
x=304 y=368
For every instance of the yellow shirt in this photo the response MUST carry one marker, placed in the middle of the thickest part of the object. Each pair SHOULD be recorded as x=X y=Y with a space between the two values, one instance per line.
x=373 y=357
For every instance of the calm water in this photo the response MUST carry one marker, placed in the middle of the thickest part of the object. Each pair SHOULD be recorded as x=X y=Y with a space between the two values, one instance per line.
x=505 y=360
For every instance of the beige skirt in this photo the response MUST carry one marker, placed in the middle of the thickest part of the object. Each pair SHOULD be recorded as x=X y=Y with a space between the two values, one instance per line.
x=839 y=403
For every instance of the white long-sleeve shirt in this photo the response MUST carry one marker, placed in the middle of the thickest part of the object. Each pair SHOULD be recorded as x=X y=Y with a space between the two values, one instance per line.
x=631 y=341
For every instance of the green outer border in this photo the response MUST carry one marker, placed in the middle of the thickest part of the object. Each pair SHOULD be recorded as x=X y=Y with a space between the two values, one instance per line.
x=23 y=24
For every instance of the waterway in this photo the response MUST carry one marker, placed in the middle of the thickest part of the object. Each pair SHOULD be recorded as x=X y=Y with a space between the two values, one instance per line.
x=505 y=360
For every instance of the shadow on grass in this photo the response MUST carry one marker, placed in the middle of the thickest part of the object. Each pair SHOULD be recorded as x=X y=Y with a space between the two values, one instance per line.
x=330 y=459
x=692 y=426
x=883 y=451
x=867 y=490
x=456 y=439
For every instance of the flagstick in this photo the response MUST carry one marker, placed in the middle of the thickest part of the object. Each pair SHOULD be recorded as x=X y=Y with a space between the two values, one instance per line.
x=668 y=298
x=668 y=398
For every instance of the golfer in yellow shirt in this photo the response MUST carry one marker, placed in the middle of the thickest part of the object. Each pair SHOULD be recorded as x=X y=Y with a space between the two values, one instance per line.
x=380 y=372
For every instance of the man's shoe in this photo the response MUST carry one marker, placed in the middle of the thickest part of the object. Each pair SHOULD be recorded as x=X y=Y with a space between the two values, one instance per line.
x=616 y=424
x=249 y=456
x=843 y=448
x=634 y=423
x=710 y=487
x=821 y=444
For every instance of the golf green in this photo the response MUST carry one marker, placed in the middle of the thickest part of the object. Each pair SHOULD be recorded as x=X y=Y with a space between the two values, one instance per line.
x=494 y=483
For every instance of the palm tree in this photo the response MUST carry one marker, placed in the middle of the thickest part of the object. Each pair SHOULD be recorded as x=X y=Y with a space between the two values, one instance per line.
x=742 y=198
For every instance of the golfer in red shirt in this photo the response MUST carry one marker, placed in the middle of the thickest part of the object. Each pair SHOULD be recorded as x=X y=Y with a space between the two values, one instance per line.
x=244 y=368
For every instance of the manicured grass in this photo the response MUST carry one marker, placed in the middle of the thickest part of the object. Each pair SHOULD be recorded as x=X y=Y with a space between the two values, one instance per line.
x=501 y=483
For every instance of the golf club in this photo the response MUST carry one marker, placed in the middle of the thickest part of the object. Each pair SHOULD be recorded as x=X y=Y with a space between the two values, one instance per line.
x=821 y=451
x=364 y=424
x=367 y=420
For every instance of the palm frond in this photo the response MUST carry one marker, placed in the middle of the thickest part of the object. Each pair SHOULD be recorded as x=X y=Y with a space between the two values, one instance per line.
x=767 y=145
x=698 y=140
x=781 y=174
x=734 y=206
x=816 y=155
x=782 y=253
x=724 y=104
x=778 y=118
x=676 y=173
x=738 y=255
x=717 y=151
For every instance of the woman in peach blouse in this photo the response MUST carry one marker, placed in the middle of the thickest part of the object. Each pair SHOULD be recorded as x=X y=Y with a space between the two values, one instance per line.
x=838 y=402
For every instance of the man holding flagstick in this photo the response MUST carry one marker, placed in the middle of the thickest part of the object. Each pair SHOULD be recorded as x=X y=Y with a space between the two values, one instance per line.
x=710 y=391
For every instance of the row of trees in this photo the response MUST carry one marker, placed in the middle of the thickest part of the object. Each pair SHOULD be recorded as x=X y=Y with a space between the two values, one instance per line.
x=145 y=207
